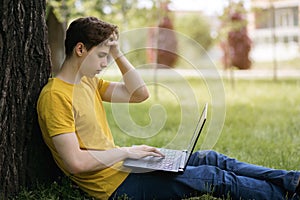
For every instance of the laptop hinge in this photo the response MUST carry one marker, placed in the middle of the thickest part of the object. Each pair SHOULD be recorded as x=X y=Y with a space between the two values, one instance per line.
x=183 y=159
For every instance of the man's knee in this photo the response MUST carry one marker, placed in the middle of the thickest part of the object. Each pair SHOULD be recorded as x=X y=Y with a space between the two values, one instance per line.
x=207 y=153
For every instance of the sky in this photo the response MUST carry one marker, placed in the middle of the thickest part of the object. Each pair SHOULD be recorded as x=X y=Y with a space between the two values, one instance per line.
x=209 y=7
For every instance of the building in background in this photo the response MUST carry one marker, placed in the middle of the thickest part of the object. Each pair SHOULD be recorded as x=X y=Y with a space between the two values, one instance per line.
x=274 y=27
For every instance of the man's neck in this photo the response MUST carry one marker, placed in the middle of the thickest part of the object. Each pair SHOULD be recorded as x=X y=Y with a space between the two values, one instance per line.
x=69 y=72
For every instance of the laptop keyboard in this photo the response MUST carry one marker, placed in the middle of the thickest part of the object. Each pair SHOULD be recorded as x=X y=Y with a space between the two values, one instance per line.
x=166 y=163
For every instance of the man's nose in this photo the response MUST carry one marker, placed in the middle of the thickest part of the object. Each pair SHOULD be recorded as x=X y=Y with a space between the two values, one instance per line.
x=104 y=63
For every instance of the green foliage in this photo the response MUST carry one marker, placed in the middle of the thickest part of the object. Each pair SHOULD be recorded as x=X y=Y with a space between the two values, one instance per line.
x=126 y=13
x=196 y=27
x=62 y=9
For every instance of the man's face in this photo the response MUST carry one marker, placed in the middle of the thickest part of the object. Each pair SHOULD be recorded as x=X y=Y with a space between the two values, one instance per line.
x=95 y=61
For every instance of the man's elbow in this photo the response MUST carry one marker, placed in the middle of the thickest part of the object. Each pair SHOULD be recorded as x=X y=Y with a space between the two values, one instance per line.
x=140 y=97
x=75 y=168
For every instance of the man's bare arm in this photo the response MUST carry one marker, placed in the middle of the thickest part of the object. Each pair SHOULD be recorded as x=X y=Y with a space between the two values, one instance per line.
x=77 y=160
x=133 y=87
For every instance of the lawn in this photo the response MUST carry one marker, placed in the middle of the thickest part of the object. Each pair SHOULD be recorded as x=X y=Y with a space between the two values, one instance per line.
x=261 y=125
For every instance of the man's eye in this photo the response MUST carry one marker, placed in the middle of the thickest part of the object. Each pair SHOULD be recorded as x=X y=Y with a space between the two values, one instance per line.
x=102 y=55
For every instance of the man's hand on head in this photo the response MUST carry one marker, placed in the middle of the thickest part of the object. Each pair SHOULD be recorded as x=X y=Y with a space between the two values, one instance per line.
x=113 y=43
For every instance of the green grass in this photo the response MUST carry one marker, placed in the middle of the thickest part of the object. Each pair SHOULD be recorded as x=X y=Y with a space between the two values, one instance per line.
x=292 y=64
x=262 y=122
x=63 y=189
x=261 y=127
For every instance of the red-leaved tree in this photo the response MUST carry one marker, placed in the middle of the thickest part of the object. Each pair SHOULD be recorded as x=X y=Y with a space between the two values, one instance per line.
x=236 y=44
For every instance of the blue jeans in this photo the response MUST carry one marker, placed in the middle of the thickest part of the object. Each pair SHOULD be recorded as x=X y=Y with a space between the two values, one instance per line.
x=209 y=172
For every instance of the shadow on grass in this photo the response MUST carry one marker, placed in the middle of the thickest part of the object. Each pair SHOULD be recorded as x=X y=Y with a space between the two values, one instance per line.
x=64 y=189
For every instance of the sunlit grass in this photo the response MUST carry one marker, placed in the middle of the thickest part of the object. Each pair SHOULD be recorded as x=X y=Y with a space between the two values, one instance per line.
x=262 y=123
x=261 y=127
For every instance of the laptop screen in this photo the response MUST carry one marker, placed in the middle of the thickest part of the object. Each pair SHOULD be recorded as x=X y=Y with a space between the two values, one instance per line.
x=197 y=132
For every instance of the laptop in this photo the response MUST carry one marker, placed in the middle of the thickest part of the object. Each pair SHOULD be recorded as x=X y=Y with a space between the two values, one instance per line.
x=174 y=160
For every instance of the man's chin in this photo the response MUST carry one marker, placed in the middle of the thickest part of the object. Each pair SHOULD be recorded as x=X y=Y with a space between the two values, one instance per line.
x=92 y=75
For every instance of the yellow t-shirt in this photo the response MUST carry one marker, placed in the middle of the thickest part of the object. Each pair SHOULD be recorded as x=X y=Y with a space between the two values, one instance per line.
x=65 y=108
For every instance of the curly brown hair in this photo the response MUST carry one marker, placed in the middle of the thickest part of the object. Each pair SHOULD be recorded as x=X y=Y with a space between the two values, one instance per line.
x=91 y=31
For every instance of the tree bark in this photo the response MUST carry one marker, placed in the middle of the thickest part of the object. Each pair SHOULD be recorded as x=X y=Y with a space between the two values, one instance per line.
x=56 y=39
x=24 y=69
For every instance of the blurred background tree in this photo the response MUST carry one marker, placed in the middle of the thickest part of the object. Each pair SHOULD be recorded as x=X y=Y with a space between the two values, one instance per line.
x=128 y=15
x=200 y=33
x=235 y=41
x=195 y=31
x=162 y=40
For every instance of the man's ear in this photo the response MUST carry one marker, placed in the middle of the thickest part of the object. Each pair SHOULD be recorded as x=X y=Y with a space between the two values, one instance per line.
x=79 y=49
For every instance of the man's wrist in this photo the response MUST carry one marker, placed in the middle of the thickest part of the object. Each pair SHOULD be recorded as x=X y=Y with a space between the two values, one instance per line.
x=124 y=152
x=115 y=52
x=117 y=55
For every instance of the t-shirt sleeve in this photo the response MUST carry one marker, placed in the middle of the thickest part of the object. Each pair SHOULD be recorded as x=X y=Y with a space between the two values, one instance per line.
x=57 y=114
x=102 y=86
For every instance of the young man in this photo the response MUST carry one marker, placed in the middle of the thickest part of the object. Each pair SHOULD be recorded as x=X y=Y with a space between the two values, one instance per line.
x=74 y=127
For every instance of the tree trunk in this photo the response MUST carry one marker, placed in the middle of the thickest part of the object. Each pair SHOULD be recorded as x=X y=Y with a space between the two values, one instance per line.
x=24 y=69
x=56 y=39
